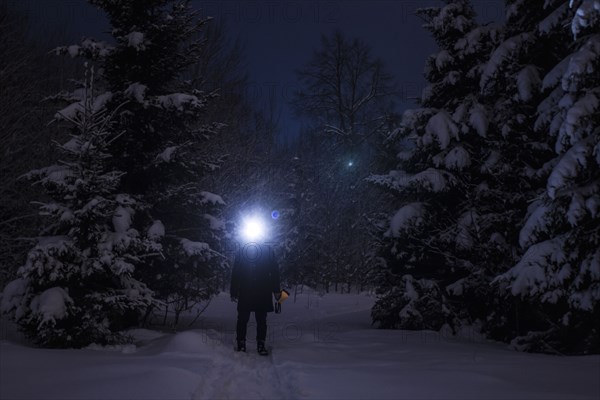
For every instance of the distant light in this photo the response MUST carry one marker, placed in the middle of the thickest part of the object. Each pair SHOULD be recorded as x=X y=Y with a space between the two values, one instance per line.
x=350 y=163
x=275 y=214
x=253 y=229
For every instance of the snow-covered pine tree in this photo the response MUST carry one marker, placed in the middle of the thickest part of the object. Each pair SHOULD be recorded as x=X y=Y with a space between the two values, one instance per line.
x=162 y=150
x=78 y=284
x=517 y=164
x=436 y=179
x=560 y=270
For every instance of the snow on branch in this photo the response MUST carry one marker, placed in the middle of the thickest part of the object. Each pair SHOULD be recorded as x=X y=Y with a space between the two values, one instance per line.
x=407 y=216
x=530 y=276
x=568 y=168
x=432 y=180
x=505 y=52
x=587 y=15
x=179 y=101
x=441 y=127
x=582 y=64
x=136 y=40
x=51 y=304
x=74 y=112
x=208 y=197
x=572 y=130
x=89 y=48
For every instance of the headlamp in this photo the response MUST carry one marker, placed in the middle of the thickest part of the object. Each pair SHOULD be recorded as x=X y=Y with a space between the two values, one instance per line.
x=253 y=229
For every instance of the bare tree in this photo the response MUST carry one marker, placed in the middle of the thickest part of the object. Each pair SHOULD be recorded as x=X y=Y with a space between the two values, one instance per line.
x=344 y=89
x=346 y=99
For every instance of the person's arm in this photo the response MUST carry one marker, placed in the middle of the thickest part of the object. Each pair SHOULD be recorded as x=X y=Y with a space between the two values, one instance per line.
x=275 y=284
x=234 y=289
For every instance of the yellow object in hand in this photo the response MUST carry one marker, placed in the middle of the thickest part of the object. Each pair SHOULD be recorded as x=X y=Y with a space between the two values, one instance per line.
x=283 y=295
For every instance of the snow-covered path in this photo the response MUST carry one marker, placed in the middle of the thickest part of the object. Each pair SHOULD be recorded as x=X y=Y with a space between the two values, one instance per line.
x=323 y=348
x=241 y=374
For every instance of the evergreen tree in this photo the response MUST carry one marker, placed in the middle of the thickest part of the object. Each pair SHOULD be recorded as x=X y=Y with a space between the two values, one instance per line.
x=428 y=267
x=163 y=149
x=559 y=272
x=500 y=184
x=78 y=285
x=517 y=165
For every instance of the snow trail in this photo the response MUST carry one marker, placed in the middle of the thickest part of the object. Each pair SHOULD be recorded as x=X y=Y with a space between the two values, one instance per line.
x=238 y=375
x=322 y=348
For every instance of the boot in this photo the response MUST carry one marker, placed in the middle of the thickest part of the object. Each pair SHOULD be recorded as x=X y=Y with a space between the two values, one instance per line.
x=241 y=345
x=262 y=350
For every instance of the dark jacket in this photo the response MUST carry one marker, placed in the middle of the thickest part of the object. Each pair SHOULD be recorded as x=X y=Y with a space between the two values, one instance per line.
x=255 y=277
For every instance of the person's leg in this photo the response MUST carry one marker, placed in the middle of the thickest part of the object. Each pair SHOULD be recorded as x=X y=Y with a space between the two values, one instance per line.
x=261 y=326
x=242 y=323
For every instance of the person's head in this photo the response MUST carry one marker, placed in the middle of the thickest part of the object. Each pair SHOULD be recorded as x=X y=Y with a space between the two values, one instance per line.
x=254 y=251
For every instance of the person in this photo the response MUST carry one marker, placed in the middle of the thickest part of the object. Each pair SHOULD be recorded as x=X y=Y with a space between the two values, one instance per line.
x=254 y=279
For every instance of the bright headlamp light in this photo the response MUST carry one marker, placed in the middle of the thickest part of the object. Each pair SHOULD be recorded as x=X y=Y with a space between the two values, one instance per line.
x=253 y=229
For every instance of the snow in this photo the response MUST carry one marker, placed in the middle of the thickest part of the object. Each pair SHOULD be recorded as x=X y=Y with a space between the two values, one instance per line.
x=546 y=111
x=442 y=59
x=194 y=248
x=582 y=63
x=571 y=129
x=528 y=82
x=456 y=288
x=122 y=219
x=51 y=304
x=156 y=230
x=530 y=277
x=137 y=91
x=452 y=78
x=554 y=19
x=431 y=179
x=555 y=75
x=178 y=101
x=503 y=53
x=536 y=222
x=136 y=40
x=215 y=223
x=71 y=112
x=478 y=120
x=75 y=110
x=466 y=223
x=576 y=210
x=441 y=127
x=426 y=94
x=323 y=348
x=409 y=215
x=567 y=168
x=208 y=197
x=73 y=50
x=167 y=154
x=88 y=46
x=592 y=204
x=457 y=159
x=588 y=11
x=491 y=161
x=12 y=294
x=472 y=42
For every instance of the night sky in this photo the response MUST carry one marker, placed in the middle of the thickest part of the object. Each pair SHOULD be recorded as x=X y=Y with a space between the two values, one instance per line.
x=279 y=37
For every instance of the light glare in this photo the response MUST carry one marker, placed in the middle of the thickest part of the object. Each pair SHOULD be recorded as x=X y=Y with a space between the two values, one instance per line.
x=253 y=229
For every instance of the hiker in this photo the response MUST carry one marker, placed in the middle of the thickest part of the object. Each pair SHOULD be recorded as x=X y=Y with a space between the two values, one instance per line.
x=254 y=279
